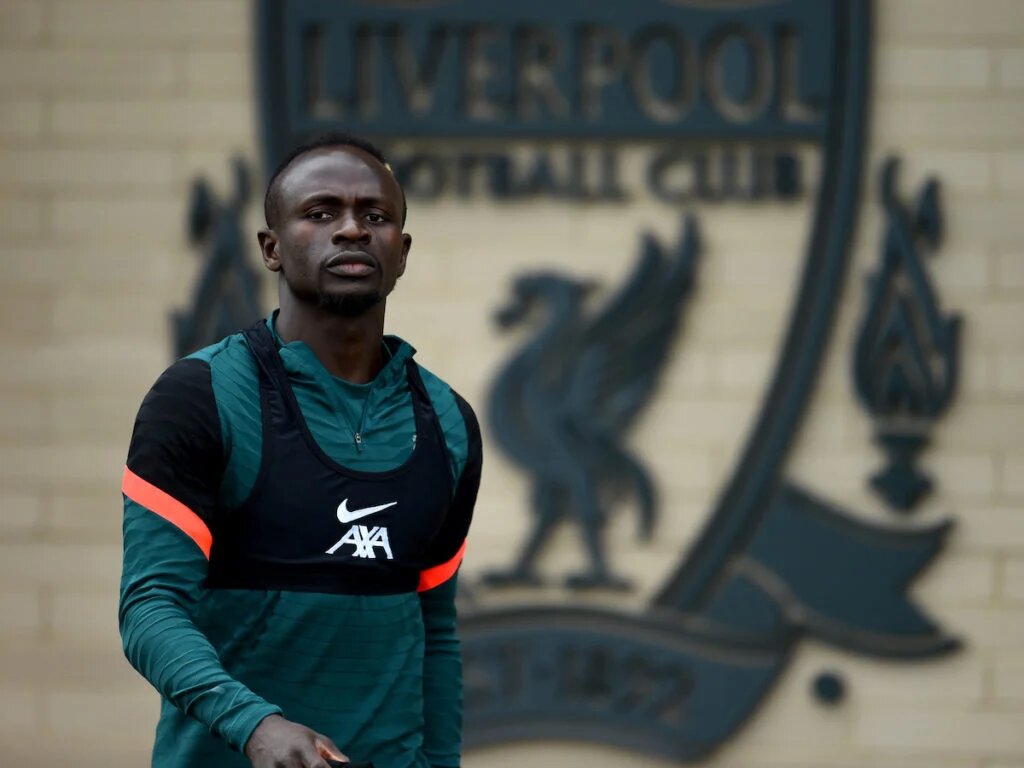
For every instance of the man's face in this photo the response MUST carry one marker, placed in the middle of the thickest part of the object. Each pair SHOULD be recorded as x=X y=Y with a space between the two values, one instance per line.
x=337 y=238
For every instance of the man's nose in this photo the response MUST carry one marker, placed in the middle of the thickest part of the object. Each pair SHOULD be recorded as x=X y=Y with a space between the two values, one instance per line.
x=350 y=228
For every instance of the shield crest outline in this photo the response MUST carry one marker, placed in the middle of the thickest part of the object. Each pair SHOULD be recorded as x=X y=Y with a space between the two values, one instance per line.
x=811 y=319
x=674 y=617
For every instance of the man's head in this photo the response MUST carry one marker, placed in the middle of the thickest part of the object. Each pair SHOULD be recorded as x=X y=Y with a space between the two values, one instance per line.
x=335 y=215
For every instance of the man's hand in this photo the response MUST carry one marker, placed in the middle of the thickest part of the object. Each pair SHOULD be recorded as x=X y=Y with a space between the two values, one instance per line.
x=280 y=743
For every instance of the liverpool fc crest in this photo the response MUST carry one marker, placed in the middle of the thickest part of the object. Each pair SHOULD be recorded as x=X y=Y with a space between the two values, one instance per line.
x=697 y=108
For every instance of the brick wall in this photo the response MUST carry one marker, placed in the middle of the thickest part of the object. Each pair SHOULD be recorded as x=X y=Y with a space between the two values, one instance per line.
x=111 y=108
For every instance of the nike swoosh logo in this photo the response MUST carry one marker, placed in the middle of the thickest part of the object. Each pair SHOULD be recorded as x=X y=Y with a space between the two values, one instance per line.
x=347 y=516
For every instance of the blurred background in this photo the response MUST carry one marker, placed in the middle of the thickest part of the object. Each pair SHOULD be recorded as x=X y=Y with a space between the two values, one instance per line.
x=112 y=109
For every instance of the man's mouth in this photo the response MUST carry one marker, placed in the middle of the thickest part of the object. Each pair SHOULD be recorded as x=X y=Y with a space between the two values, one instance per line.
x=351 y=264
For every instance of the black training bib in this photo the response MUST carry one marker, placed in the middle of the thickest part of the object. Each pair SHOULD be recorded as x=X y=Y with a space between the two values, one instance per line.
x=312 y=525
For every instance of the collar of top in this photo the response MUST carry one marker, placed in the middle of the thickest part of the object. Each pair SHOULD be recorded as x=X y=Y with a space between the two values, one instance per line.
x=298 y=358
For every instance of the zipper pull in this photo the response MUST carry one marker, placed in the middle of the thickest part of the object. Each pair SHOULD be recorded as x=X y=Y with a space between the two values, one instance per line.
x=359 y=442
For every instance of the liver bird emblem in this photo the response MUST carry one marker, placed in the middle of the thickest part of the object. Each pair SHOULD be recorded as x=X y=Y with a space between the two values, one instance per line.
x=562 y=407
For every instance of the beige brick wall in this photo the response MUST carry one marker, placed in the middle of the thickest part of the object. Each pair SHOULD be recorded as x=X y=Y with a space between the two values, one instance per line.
x=109 y=108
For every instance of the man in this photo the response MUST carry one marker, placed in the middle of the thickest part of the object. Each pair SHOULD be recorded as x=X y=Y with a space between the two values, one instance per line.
x=296 y=502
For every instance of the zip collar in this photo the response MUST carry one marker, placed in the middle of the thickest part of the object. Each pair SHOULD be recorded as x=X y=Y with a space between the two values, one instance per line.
x=300 y=360
x=351 y=402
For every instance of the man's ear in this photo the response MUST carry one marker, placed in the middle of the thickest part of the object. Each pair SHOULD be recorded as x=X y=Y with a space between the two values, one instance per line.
x=406 y=245
x=268 y=249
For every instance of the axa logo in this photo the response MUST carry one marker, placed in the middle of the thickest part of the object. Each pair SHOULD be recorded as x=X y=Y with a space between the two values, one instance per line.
x=364 y=539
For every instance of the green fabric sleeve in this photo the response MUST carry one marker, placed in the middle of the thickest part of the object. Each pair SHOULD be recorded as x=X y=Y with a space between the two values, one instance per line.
x=160 y=583
x=442 y=678
x=175 y=462
x=442 y=663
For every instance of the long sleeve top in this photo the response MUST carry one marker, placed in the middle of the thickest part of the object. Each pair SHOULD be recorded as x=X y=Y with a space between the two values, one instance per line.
x=379 y=674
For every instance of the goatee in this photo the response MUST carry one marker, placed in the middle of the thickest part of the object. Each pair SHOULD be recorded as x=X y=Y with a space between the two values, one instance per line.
x=349 y=306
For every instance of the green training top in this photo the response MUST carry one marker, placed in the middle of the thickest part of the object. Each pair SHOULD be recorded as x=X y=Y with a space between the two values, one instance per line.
x=379 y=674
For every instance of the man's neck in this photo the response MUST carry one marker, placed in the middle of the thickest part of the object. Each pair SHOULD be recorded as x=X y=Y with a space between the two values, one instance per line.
x=350 y=348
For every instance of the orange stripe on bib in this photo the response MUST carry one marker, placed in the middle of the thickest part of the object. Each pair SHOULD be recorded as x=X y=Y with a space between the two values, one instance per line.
x=439 y=574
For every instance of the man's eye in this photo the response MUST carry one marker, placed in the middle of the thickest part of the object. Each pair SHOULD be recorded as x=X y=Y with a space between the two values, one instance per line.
x=375 y=218
x=319 y=215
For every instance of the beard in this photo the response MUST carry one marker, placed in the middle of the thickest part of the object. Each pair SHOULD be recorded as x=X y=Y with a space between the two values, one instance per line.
x=351 y=305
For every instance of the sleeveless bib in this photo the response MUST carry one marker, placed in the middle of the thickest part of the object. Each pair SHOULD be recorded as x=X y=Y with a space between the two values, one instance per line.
x=312 y=525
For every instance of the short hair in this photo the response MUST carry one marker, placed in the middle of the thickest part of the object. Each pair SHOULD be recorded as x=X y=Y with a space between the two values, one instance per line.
x=333 y=139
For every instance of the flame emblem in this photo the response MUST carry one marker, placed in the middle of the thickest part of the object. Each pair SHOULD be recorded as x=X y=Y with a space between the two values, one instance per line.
x=907 y=353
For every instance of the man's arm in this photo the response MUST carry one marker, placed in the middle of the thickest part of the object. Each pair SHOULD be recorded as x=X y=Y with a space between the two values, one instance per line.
x=170 y=493
x=442 y=664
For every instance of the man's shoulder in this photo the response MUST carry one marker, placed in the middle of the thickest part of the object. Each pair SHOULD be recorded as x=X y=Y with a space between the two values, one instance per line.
x=447 y=400
x=214 y=377
x=435 y=385
x=231 y=351
x=231 y=365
